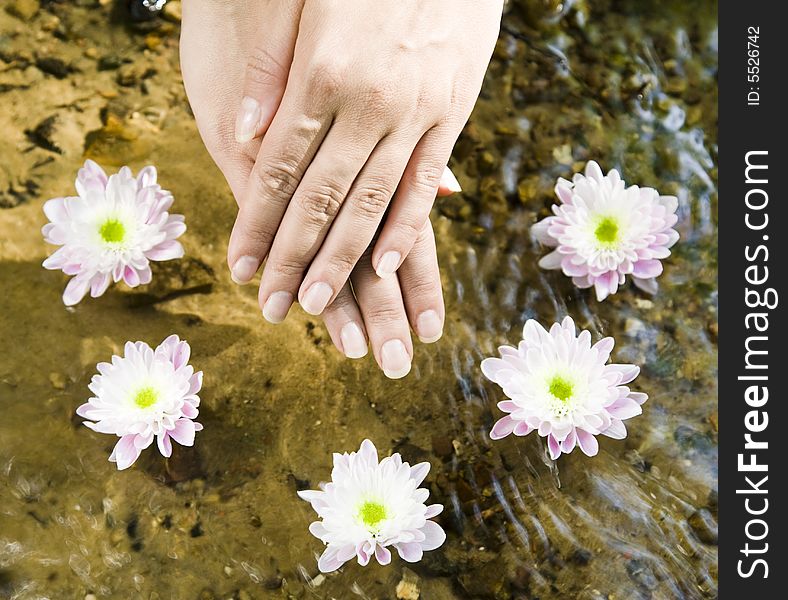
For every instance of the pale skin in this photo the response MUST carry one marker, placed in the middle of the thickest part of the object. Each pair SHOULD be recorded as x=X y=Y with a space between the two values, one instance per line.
x=317 y=112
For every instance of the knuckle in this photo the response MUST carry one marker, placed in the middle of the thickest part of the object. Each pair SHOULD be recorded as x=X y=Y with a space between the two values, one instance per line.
x=420 y=289
x=256 y=234
x=426 y=178
x=383 y=314
x=263 y=68
x=326 y=79
x=371 y=201
x=278 y=180
x=407 y=230
x=321 y=203
x=285 y=268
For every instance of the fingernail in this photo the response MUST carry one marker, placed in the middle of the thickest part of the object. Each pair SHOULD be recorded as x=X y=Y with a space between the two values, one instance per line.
x=395 y=359
x=448 y=180
x=244 y=269
x=277 y=306
x=353 y=343
x=429 y=327
x=248 y=118
x=316 y=298
x=388 y=263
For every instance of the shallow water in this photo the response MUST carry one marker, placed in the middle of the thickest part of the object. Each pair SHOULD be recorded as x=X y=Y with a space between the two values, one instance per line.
x=630 y=84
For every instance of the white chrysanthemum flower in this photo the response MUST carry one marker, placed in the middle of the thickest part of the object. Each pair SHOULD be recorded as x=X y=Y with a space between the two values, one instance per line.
x=111 y=230
x=145 y=394
x=560 y=386
x=368 y=506
x=603 y=231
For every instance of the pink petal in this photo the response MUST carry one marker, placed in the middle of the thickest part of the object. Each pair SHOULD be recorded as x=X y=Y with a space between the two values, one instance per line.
x=410 y=552
x=628 y=372
x=183 y=433
x=646 y=269
x=587 y=442
x=638 y=397
x=165 y=251
x=553 y=446
x=419 y=472
x=383 y=555
x=649 y=286
x=328 y=561
x=551 y=261
x=502 y=428
x=624 y=408
x=434 y=536
x=617 y=430
x=75 y=290
x=165 y=444
x=125 y=452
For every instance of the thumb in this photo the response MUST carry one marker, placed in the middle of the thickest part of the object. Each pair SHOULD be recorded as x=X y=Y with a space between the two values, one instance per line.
x=267 y=69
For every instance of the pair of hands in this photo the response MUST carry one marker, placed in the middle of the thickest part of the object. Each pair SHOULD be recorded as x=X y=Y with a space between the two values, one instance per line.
x=317 y=111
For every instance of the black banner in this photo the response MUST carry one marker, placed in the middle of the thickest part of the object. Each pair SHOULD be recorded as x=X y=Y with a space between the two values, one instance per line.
x=752 y=257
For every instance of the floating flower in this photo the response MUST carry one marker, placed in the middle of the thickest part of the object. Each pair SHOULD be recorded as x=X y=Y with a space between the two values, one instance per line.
x=111 y=230
x=145 y=394
x=369 y=506
x=560 y=386
x=603 y=231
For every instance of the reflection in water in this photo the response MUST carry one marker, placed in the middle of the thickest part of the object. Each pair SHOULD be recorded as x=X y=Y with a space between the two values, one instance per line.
x=631 y=84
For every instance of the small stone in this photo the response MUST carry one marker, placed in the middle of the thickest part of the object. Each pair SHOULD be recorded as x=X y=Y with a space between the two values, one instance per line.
x=152 y=41
x=173 y=11
x=642 y=574
x=408 y=587
x=704 y=526
x=58 y=381
x=563 y=154
x=91 y=53
x=23 y=9
x=442 y=446
x=53 y=66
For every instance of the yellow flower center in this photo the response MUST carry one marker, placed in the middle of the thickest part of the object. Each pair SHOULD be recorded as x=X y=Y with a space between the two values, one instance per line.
x=606 y=231
x=146 y=397
x=561 y=389
x=371 y=514
x=112 y=231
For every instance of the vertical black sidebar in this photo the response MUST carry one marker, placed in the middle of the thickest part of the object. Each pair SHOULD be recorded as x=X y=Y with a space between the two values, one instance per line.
x=753 y=341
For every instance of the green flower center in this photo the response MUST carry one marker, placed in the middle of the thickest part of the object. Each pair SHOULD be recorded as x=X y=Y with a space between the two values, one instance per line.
x=112 y=231
x=607 y=231
x=372 y=513
x=561 y=388
x=146 y=397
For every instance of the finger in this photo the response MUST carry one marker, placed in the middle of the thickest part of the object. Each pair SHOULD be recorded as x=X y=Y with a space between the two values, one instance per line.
x=266 y=71
x=357 y=222
x=420 y=281
x=345 y=324
x=415 y=196
x=289 y=146
x=380 y=301
x=309 y=216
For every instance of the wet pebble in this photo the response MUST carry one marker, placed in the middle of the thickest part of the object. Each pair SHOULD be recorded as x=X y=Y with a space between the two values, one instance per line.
x=704 y=526
x=408 y=587
x=23 y=9
x=639 y=571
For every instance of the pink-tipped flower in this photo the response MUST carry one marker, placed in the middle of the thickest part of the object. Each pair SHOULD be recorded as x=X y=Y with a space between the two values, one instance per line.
x=144 y=394
x=603 y=231
x=370 y=505
x=111 y=230
x=560 y=386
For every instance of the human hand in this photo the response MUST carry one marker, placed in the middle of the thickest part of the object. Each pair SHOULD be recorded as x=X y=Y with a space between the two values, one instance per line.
x=215 y=49
x=377 y=92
